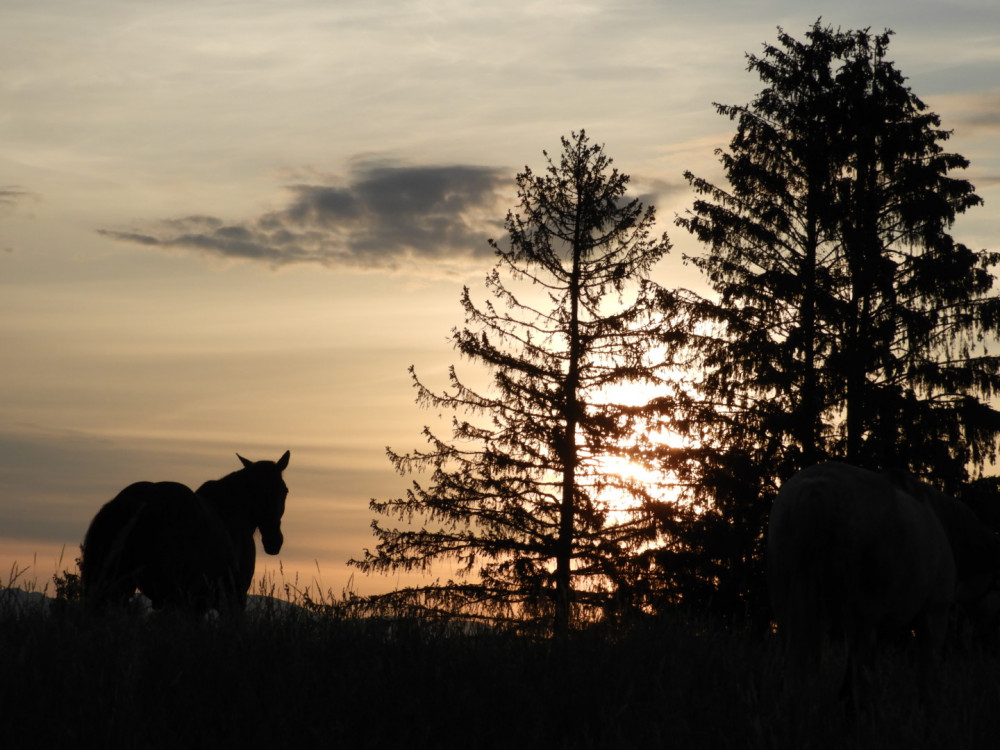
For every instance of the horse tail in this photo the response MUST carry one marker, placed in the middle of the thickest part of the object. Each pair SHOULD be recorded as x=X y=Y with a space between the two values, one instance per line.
x=107 y=564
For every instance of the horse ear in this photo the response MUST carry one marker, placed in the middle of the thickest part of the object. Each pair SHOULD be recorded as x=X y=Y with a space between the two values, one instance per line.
x=246 y=462
x=282 y=463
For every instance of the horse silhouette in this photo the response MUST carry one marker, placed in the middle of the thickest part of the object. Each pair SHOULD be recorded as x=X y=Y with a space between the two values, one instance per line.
x=852 y=552
x=183 y=549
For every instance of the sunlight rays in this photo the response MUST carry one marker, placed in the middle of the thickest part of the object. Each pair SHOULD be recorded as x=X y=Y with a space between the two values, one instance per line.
x=630 y=479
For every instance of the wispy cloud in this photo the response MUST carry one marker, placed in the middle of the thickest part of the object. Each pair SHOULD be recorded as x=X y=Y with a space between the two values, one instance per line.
x=975 y=114
x=12 y=196
x=383 y=216
x=974 y=119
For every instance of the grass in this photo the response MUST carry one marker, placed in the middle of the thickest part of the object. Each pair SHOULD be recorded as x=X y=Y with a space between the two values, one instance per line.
x=288 y=678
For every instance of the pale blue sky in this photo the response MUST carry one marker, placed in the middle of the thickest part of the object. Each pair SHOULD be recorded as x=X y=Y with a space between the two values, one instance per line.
x=231 y=226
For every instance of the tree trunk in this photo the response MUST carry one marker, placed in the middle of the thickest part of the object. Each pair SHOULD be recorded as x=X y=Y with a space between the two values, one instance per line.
x=809 y=408
x=564 y=546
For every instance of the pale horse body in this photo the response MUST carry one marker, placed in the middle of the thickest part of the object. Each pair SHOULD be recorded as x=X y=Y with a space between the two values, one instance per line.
x=852 y=552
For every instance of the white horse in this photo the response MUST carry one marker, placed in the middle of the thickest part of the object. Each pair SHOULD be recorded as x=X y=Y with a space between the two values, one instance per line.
x=852 y=552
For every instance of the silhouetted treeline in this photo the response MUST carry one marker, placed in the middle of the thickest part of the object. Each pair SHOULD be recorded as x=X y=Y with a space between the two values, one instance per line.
x=845 y=322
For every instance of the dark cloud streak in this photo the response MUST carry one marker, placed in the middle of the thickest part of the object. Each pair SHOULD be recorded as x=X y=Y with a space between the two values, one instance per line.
x=11 y=196
x=383 y=216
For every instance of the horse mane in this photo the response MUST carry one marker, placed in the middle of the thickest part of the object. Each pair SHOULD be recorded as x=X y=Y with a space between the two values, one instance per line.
x=226 y=491
x=233 y=490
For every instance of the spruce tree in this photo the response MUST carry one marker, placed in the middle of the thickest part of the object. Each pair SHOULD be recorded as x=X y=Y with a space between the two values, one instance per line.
x=847 y=323
x=519 y=496
x=915 y=307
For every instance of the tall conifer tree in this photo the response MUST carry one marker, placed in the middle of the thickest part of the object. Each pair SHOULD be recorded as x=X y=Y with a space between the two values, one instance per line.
x=520 y=496
x=847 y=319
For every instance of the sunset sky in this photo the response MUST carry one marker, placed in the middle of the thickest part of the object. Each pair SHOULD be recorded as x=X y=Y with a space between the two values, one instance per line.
x=232 y=226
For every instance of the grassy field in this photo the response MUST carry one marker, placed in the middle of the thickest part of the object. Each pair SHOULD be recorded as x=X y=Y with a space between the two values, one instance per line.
x=291 y=679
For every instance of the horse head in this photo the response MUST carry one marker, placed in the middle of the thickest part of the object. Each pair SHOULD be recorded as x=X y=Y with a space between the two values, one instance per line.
x=975 y=547
x=268 y=499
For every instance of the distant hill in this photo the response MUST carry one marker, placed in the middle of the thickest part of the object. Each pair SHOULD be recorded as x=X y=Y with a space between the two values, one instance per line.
x=17 y=602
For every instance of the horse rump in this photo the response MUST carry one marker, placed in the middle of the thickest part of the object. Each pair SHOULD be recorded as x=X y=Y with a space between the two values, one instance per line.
x=108 y=562
x=165 y=541
x=806 y=575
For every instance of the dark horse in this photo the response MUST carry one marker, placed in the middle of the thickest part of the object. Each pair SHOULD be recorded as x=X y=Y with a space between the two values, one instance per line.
x=183 y=549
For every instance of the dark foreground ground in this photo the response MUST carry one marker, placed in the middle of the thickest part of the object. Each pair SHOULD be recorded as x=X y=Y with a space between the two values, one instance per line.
x=293 y=680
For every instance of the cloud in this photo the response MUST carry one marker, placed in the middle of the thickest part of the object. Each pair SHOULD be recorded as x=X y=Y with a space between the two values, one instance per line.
x=11 y=196
x=655 y=191
x=970 y=114
x=385 y=215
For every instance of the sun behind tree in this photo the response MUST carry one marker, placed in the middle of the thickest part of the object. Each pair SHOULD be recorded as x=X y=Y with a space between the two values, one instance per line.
x=518 y=499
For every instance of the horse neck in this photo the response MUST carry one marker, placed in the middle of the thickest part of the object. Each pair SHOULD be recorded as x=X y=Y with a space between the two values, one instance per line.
x=228 y=497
